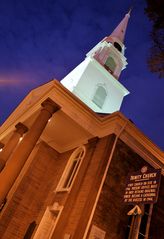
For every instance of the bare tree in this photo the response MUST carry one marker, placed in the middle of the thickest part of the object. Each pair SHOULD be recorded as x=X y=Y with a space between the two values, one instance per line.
x=155 y=13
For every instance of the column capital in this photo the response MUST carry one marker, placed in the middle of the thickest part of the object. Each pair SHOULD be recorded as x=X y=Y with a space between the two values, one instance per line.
x=21 y=128
x=50 y=106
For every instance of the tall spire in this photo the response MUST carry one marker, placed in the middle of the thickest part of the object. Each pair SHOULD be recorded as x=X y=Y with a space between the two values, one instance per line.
x=120 y=30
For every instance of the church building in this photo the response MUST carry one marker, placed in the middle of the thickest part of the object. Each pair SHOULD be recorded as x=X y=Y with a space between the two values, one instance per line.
x=66 y=151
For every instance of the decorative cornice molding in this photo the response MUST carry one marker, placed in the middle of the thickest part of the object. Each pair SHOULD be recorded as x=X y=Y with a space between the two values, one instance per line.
x=93 y=123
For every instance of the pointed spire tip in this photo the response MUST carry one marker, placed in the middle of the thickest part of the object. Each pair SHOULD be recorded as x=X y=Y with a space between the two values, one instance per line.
x=130 y=10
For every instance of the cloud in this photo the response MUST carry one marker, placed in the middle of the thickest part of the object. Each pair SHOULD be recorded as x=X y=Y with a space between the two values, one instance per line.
x=18 y=80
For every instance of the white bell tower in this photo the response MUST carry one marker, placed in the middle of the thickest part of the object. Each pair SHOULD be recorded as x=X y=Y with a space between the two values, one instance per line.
x=95 y=80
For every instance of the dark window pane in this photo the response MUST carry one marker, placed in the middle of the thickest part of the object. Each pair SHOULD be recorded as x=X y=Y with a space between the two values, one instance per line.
x=30 y=230
x=117 y=46
x=71 y=174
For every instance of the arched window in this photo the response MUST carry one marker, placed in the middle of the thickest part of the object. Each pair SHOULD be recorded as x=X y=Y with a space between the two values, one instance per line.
x=110 y=64
x=100 y=96
x=71 y=169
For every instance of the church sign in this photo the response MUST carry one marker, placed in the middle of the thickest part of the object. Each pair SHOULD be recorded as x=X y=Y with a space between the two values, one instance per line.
x=142 y=186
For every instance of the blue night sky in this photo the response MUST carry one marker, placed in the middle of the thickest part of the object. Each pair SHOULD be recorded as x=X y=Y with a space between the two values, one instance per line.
x=45 y=39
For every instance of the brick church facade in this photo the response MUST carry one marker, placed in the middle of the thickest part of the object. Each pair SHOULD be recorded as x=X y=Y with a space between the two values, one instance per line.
x=64 y=164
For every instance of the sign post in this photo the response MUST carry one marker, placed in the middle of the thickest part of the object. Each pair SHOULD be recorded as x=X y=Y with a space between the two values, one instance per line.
x=136 y=223
x=142 y=187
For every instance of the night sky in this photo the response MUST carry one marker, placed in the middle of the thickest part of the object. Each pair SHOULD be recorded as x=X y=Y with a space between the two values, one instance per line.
x=45 y=39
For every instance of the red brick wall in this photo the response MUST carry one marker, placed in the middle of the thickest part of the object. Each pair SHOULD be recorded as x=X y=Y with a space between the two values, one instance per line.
x=33 y=194
x=81 y=198
x=111 y=214
x=36 y=191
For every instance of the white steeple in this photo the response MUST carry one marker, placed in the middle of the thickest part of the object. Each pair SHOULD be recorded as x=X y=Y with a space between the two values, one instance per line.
x=95 y=80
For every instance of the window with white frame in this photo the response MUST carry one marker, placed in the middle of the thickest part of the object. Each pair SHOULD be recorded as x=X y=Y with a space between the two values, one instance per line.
x=71 y=169
x=99 y=96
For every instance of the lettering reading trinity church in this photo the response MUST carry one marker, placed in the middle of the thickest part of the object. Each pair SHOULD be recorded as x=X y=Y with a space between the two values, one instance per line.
x=143 y=176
